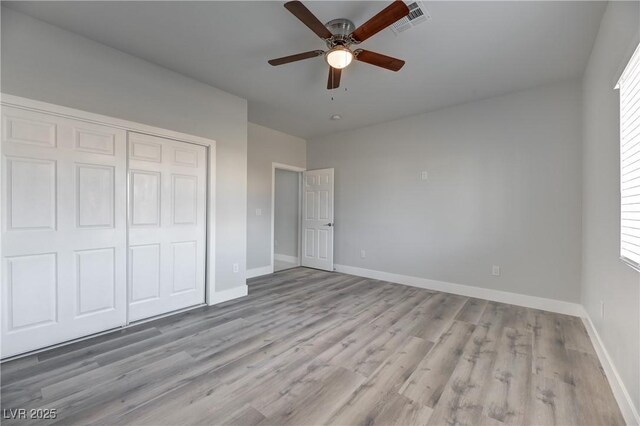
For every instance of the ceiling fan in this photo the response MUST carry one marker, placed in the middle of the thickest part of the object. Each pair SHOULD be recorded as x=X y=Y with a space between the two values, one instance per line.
x=341 y=34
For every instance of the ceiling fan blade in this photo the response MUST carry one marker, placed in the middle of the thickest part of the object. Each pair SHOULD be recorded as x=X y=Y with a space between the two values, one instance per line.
x=294 y=58
x=309 y=19
x=334 y=78
x=382 y=20
x=379 y=60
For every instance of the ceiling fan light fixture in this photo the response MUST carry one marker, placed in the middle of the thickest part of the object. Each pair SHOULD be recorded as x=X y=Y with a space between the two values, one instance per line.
x=339 y=57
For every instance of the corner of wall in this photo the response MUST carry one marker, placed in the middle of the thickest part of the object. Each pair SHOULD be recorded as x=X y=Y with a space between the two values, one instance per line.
x=605 y=281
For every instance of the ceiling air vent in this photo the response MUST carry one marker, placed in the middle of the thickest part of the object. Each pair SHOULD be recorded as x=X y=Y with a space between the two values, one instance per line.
x=417 y=14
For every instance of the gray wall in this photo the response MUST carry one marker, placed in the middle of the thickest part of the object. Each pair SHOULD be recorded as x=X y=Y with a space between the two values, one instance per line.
x=286 y=212
x=266 y=146
x=604 y=276
x=503 y=188
x=46 y=63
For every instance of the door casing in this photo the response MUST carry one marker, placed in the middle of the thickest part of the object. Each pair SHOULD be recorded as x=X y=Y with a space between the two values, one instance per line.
x=290 y=168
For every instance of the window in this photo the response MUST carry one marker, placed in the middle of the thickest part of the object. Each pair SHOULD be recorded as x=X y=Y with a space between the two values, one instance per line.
x=629 y=86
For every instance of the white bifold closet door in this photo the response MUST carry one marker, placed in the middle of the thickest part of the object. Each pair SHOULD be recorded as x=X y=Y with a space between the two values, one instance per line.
x=167 y=225
x=63 y=229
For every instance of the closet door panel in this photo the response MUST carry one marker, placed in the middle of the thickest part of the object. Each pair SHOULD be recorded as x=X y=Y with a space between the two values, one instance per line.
x=167 y=229
x=63 y=230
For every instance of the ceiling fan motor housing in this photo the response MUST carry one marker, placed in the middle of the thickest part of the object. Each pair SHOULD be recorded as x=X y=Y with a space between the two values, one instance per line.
x=341 y=29
x=340 y=26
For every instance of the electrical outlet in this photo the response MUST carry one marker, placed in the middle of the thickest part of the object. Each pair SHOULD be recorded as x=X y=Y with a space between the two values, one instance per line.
x=236 y=267
x=363 y=254
x=601 y=309
x=424 y=175
x=258 y=212
x=495 y=270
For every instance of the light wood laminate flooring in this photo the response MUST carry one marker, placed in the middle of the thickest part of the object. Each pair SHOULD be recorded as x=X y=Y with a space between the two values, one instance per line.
x=308 y=347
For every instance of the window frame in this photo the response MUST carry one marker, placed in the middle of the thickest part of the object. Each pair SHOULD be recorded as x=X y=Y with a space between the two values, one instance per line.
x=631 y=71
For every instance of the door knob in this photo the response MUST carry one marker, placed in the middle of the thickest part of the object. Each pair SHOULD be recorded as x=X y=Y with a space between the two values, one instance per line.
x=328 y=224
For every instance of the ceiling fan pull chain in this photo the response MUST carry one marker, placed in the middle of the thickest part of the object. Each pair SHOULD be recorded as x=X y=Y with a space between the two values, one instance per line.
x=332 y=77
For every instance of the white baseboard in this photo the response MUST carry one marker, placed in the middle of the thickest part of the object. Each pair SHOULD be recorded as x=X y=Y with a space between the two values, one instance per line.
x=256 y=272
x=534 y=302
x=629 y=411
x=285 y=258
x=230 y=294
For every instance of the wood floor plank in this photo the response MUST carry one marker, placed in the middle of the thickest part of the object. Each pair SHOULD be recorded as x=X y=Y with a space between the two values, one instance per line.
x=464 y=395
x=27 y=389
x=472 y=310
x=367 y=402
x=428 y=381
x=401 y=411
x=320 y=401
x=368 y=344
x=551 y=402
x=508 y=392
x=11 y=367
x=373 y=354
x=576 y=336
x=593 y=406
x=315 y=347
x=246 y=416
x=550 y=356
x=101 y=344
x=441 y=310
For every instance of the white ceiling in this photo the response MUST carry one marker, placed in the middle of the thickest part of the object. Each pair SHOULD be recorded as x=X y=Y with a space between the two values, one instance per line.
x=468 y=50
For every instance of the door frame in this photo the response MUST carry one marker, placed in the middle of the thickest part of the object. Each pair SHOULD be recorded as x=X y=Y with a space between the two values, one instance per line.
x=299 y=170
x=131 y=126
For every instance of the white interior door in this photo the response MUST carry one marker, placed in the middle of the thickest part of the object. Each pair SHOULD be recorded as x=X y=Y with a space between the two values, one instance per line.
x=167 y=225
x=63 y=229
x=317 y=219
